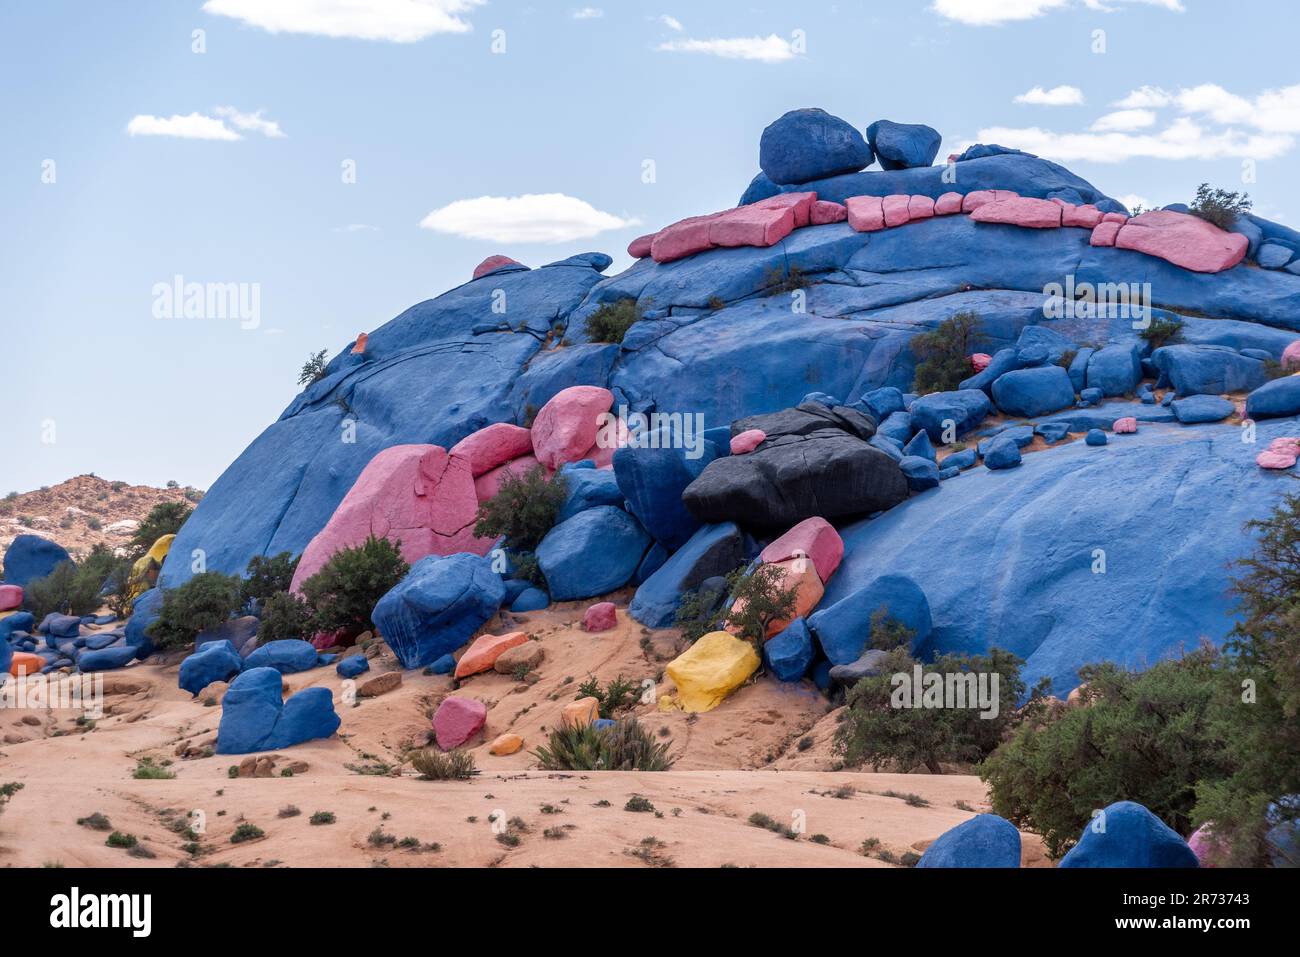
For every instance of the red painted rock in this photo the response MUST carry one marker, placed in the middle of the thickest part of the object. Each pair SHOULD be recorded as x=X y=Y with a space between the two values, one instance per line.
x=327 y=639
x=982 y=197
x=484 y=652
x=1183 y=240
x=639 y=248
x=488 y=484
x=566 y=426
x=980 y=361
x=895 y=209
x=359 y=347
x=919 y=207
x=1086 y=217
x=814 y=539
x=824 y=212
x=948 y=204
x=457 y=720
x=11 y=597
x=493 y=263
x=601 y=616
x=495 y=445
x=800 y=204
x=747 y=441
x=1114 y=218
x=684 y=238
x=752 y=225
x=419 y=494
x=1020 y=211
x=1291 y=355
x=866 y=213
x=1125 y=426
x=1104 y=234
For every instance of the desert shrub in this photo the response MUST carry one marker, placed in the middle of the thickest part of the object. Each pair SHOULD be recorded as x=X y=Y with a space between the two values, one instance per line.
x=625 y=747
x=877 y=730
x=889 y=633
x=699 y=613
x=619 y=693
x=96 y=822
x=63 y=590
x=203 y=602
x=780 y=279
x=146 y=770
x=437 y=766
x=319 y=818
x=344 y=592
x=246 y=832
x=284 y=615
x=523 y=510
x=7 y=791
x=118 y=839
x=118 y=589
x=611 y=321
x=1162 y=331
x=757 y=600
x=266 y=575
x=1219 y=206
x=313 y=370
x=165 y=518
x=527 y=568
x=943 y=354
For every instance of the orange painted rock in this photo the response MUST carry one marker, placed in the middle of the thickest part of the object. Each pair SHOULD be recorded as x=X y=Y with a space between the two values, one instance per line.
x=580 y=713
x=25 y=662
x=505 y=744
x=801 y=575
x=485 y=651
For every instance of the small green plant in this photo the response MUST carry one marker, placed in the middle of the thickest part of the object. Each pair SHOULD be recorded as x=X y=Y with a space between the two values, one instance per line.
x=638 y=804
x=611 y=321
x=437 y=766
x=888 y=633
x=96 y=822
x=120 y=840
x=786 y=278
x=321 y=817
x=146 y=770
x=1162 y=331
x=379 y=838
x=313 y=370
x=7 y=791
x=625 y=747
x=820 y=839
x=943 y=353
x=203 y=602
x=1219 y=206
x=267 y=575
x=523 y=510
x=289 y=810
x=344 y=592
x=246 y=832
x=618 y=694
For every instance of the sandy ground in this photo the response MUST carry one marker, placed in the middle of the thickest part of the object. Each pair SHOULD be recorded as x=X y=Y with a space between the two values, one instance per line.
x=766 y=750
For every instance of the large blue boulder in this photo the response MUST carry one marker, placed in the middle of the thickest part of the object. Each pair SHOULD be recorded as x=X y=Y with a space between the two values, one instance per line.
x=1001 y=362
x=843 y=627
x=352 y=666
x=1046 y=338
x=530 y=599
x=1115 y=369
x=653 y=479
x=255 y=718
x=1196 y=409
x=144 y=612
x=810 y=144
x=437 y=606
x=216 y=661
x=30 y=557
x=790 y=654
x=286 y=655
x=1277 y=398
x=57 y=626
x=1126 y=834
x=1033 y=392
x=1208 y=370
x=961 y=411
x=105 y=659
x=896 y=426
x=920 y=445
x=921 y=473
x=592 y=553
x=587 y=488
x=18 y=621
x=883 y=402
x=986 y=840
x=760 y=188
x=1003 y=453
x=712 y=551
x=903 y=145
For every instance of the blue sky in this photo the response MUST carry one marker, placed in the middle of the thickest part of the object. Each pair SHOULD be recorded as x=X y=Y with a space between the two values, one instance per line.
x=128 y=158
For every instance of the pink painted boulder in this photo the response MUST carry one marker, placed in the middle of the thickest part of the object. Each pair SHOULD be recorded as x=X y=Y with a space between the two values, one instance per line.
x=1183 y=240
x=919 y=207
x=1020 y=211
x=420 y=495
x=982 y=197
x=495 y=445
x=1291 y=355
x=684 y=238
x=799 y=204
x=566 y=426
x=493 y=263
x=948 y=204
x=1114 y=218
x=980 y=361
x=1125 y=426
x=1104 y=234
x=812 y=539
x=866 y=213
x=752 y=225
x=747 y=441
x=639 y=248
x=488 y=484
x=825 y=212
x=1085 y=217
x=457 y=720
x=11 y=597
x=601 y=616
x=895 y=209
x=1281 y=453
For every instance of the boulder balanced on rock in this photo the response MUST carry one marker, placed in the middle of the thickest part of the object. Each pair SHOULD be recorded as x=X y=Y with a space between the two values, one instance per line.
x=255 y=718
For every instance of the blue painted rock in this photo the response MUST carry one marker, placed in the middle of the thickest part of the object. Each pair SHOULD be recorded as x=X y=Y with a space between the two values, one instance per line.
x=922 y=473
x=652 y=480
x=883 y=402
x=1052 y=342
x=592 y=553
x=1128 y=835
x=1003 y=453
x=903 y=145
x=144 y=612
x=217 y=661
x=1208 y=370
x=1115 y=369
x=1079 y=370
x=30 y=557
x=23 y=621
x=870 y=662
x=255 y=718
x=1196 y=409
x=889 y=446
x=1033 y=392
x=790 y=654
x=843 y=627
x=106 y=659
x=810 y=144
x=712 y=551
x=445 y=665
x=1274 y=256
x=963 y=410
x=1095 y=437
x=352 y=666
x=240 y=632
x=1091 y=396
x=986 y=840
x=287 y=656
x=1273 y=399
x=960 y=460
x=760 y=188
x=920 y=445
x=653 y=561
x=586 y=488
x=1052 y=432
x=437 y=606
x=530 y=599
x=60 y=626
x=896 y=426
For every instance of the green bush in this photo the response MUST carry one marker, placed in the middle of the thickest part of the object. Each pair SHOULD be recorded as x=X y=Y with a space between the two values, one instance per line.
x=118 y=595
x=203 y=602
x=943 y=354
x=72 y=589
x=1162 y=331
x=625 y=747
x=165 y=518
x=436 y=766
x=344 y=592
x=1219 y=206
x=284 y=615
x=757 y=600
x=618 y=694
x=7 y=791
x=266 y=575
x=611 y=321
x=524 y=508
x=313 y=370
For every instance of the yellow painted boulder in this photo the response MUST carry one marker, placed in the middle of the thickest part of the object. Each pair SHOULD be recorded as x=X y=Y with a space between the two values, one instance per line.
x=144 y=573
x=711 y=669
x=505 y=744
x=580 y=713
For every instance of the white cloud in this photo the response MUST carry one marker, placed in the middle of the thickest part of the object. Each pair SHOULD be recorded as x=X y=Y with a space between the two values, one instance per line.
x=399 y=21
x=672 y=23
x=1183 y=139
x=251 y=122
x=588 y=13
x=1056 y=96
x=531 y=218
x=769 y=49
x=1145 y=97
x=1124 y=121
x=982 y=13
x=356 y=228
x=196 y=126
x=1133 y=201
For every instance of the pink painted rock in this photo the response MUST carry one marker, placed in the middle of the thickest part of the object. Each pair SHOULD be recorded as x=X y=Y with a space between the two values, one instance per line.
x=1125 y=426
x=813 y=538
x=495 y=445
x=1086 y=217
x=919 y=207
x=457 y=720
x=11 y=597
x=1020 y=211
x=359 y=347
x=327 y=639
x=1291 y=355
x=895 y=209
x=639 y=248
x=488 y=484
x=608 y=441
x=825 y=212
x=601 y=616
x=982 y=197
x=752 y=225
x=866 y=213
x=1062 y=203
x=1186 y=241
x=948 y=204
x=801 y=575
x=1205 y=847
x=1114 y=218
x=419 y=494
x=980 y=361
x=1281 y=453
x=800 y=204
x=684 y=238
x=493 y=263
x=747 y=441
x=1104 y=234
x=566 y=426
